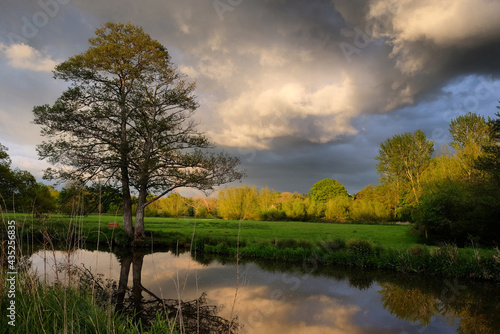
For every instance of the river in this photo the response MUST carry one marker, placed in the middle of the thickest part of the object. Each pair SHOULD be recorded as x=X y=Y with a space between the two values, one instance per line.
x=272 y=298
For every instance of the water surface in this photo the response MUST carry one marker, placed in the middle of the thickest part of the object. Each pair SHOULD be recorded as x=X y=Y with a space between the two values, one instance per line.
x=272 y=298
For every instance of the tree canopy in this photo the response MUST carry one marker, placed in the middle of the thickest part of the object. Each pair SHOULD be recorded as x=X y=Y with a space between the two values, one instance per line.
x=469 y=134
x=489 y=160
x=327 y=189
x=127 y=119
x=19 y=190
x=402 y=160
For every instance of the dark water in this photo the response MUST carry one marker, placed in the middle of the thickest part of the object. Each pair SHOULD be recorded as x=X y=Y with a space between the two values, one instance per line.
x=283 y=298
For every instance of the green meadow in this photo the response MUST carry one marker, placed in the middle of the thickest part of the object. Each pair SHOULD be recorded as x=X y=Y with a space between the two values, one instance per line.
x=387 y=236
x=258 y=231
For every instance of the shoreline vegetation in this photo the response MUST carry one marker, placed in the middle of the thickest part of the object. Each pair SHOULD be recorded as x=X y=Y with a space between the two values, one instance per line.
x=392 y=247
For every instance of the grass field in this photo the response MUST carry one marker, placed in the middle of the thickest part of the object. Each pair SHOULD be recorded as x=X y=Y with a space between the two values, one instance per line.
x=386 y=236
x=256 y=231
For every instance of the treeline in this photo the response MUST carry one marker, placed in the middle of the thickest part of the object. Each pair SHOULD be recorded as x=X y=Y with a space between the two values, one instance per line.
x=452 y=196
x=458 y=192
x=19 y=190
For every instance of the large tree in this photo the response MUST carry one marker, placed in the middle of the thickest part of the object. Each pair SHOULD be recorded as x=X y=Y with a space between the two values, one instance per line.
x=469 y=134
x=127 y=118
x=489 y=160
x=402 y=160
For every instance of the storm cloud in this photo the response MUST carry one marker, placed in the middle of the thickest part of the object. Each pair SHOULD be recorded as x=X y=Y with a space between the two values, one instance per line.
x=300 y=90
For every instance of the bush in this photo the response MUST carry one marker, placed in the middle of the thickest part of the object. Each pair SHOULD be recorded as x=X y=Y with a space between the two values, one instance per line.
x=332 y=245
x=272 y=215
x=360 y=247
x=201 y=212
x=292 y=243
x=338 y=208
x=370 y=211
x=456 y=212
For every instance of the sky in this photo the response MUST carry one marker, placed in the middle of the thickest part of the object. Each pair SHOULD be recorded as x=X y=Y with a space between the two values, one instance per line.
x=300 y=91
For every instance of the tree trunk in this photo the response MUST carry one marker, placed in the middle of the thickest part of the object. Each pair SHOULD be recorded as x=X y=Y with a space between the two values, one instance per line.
x=124 y=151
x=127 y=206
x=139 y=217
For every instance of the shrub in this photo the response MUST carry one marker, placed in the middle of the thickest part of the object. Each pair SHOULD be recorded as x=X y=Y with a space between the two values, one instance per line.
x=332 y=245
x=370 y=211
x=338 y=208
x=272 y=215
x=453 y=211
x=361 y=247
x=201 y=212
x=292 y=243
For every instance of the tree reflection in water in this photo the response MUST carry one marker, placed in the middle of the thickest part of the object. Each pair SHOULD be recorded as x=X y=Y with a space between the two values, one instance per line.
x=421 y=303
x=194 y=316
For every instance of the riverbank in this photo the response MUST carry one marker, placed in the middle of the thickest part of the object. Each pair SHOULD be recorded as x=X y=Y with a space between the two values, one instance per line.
x=387 y=247
x=44 y=308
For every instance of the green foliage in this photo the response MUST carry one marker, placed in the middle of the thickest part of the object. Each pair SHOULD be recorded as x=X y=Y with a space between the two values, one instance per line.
x=455 y=211
x=327 y=189
x=332 y=245
x=44 y=199
x=339 y=208
x=374 y=204
x=370 y=211
x=469 y=134
x=174 y=205
x=360 y=247
x=78 y=200
x=293 y=243
x=459 y=202
x=489 y=160
x=272 y=215
x=19 y=190
x=238 y=203
x=402 y=161
x=315 y=210
x=294 y=207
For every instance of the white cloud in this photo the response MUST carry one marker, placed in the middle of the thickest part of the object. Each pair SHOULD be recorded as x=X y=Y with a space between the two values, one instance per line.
x=255 y=117
x=23 y=56
x=446 y=23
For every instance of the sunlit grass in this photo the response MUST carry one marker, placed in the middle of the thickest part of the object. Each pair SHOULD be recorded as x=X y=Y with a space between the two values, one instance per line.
x=383 y=235
x=254 y=231
x=387 y=236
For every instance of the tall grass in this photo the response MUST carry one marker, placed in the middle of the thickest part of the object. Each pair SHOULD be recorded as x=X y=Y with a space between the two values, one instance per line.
x=41 y=308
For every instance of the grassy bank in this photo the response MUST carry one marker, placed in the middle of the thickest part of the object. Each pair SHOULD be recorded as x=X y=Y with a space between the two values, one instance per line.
x=389 y=247
x=40 y=308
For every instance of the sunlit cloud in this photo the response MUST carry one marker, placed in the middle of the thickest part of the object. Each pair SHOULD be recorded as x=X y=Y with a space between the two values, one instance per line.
x=449 y=23
x=23 y=56
x=255 y=117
